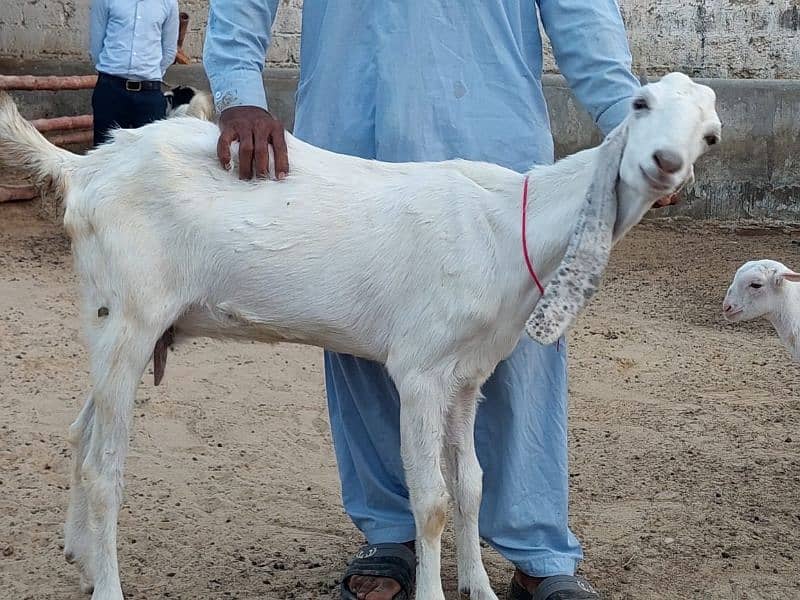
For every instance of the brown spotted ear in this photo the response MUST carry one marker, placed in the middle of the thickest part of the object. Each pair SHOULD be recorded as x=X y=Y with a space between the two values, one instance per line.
x=577 y=278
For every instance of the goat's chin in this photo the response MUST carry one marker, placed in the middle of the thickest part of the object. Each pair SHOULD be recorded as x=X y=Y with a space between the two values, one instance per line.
x=734 y=317
x=634 y=199
x=627 y=218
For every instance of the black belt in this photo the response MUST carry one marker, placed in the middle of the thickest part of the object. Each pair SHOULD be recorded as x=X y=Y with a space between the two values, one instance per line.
x=130 y=84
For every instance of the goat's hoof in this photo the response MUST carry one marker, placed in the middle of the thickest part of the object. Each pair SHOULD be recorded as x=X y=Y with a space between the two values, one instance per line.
x=87 y=587
x=104 y=593
x=476 y=592
x=486 y=594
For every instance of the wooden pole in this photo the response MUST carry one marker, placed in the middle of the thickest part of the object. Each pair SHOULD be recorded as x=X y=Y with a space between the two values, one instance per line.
x=47 y=82
x=77 y=122
x=19 y=192
x=74 y=137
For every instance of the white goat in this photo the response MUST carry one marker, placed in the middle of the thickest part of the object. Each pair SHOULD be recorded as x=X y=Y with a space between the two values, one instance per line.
x=766 y=288
x=416 y=265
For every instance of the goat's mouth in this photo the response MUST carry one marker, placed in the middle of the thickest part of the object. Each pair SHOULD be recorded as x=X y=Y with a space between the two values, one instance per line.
x=659 y=185
x=732 y=315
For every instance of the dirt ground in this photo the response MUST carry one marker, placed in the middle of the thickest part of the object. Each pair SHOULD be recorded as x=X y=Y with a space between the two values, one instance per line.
x=685 y=441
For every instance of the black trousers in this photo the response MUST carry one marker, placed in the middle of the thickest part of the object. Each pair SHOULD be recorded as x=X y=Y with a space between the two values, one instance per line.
x=114 y=106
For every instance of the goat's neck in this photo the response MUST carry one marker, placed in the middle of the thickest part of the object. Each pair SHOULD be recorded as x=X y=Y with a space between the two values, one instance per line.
x=556 y=197
x=785 y=319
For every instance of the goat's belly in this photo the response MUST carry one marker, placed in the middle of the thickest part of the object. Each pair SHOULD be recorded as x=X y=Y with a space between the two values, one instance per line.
x=232 y=323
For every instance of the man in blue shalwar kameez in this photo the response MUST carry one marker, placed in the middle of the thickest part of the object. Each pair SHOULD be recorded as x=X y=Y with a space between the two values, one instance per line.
x=421 y=81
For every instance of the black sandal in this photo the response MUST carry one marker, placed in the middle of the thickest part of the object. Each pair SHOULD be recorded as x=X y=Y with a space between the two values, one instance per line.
x=558 y=587
x=393 y=561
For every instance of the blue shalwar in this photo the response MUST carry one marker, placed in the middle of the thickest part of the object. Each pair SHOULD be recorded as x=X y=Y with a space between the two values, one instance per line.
x=413 y=80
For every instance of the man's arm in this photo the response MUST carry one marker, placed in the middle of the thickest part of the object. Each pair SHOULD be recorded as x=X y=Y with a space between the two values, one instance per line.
x=591 y=49
x=98 y=20
x=169 y=37
x=234 y=53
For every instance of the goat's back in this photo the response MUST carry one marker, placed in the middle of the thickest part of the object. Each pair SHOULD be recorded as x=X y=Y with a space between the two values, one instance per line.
x=344 y=253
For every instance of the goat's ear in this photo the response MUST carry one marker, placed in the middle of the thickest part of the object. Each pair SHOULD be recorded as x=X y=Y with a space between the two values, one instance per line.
x=787 y=275
x=581 y=269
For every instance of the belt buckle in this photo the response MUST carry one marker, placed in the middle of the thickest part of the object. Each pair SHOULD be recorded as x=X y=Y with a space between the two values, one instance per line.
x=133 y=86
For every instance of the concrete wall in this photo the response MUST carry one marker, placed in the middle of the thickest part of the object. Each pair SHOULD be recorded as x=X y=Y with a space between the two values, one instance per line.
x=708 y=38
x=716 y=38
x=753 y=174
x=48 y=29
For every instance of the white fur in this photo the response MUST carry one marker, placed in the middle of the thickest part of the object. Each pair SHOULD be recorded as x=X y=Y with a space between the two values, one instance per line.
x=416 y=265
x=769 y=289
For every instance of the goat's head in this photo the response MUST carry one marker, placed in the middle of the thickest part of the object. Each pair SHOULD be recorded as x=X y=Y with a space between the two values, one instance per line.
x=672 y=123
x=178 y=95
x=649 y=156
x=757 y=290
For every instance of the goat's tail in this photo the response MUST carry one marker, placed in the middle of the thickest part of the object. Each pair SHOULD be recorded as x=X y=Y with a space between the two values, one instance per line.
x=23 y=147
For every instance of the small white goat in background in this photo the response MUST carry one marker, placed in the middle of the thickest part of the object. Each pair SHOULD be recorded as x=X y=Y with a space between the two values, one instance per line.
x=416 y=265
x=767 y=288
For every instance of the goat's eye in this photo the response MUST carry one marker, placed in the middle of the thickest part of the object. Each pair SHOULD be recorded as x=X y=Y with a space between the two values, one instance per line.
x=711 y=140
x=755 y=286
x=640 y=104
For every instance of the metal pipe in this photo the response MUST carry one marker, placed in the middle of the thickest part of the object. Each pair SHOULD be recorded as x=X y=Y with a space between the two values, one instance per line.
x=19 y=192
x=76 y=122
x=47 y=82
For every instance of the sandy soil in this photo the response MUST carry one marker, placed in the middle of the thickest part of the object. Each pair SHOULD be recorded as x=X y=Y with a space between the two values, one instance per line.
x=685 y=441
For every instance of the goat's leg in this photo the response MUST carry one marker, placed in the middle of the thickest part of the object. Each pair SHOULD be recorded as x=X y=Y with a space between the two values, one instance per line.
x=464 y=482
x=77 y=534
x=422 y=408
x=118 y=362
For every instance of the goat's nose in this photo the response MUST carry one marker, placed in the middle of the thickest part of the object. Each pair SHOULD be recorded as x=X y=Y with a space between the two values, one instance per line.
x=668 y=161
x=726 y=306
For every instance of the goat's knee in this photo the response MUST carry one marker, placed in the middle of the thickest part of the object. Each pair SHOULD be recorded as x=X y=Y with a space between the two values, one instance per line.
x=103 y=484
x=430 y=511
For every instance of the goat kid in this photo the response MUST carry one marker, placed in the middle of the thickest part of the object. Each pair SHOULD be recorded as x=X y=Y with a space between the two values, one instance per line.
x=415 y=265
x=767 y=288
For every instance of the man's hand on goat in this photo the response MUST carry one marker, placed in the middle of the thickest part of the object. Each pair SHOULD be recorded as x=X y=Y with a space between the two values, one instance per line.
x=255 y=129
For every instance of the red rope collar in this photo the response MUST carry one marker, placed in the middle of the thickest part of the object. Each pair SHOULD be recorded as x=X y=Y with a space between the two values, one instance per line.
x=528 y=262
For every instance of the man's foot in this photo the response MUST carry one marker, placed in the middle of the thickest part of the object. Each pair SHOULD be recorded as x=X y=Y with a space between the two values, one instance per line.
x=558 y=587
x=381 y=572
x=526 y=581
x=367 y=587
